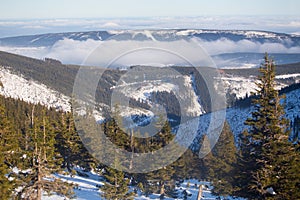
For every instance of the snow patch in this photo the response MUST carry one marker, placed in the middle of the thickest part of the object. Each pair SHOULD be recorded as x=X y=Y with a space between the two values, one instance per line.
x=284 y=76
x=17 y=87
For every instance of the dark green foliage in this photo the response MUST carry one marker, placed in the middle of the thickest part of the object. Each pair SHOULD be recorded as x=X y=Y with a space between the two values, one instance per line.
x=45 y=161
x=224 y=153
x=69 y=144
x=219 y=164
x=188 y=166
x=33 y=133
x=9 y=149
x=116 y=186
x=161 y=181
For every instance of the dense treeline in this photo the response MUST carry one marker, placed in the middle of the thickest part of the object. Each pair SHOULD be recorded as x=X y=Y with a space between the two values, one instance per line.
x=36 y=143
x=46 y=142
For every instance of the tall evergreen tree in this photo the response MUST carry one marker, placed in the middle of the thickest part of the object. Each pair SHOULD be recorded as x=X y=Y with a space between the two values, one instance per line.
x=225 y=158
x=117 y=184
x=69 y=143
x=161 y=180
x=270 y=155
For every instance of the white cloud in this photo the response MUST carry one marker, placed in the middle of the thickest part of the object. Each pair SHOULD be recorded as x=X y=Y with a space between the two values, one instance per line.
x=229 y=46
x=72 y=51
x=34 y=52
x=90 y=51
x=111 y=24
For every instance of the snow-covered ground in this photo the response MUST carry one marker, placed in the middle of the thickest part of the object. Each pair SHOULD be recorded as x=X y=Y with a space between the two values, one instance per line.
x=181 y=86
x=284 y=76
x=242 y=86
x=237 y=116
x=87 y=188
x=31 y=91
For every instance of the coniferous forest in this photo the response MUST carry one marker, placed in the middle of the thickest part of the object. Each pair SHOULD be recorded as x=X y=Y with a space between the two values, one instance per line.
x=38 y=144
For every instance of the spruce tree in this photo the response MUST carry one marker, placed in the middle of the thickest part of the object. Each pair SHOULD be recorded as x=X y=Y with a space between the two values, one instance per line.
x=271 y=154
x=116 y=185
x=161 y=181
x=69 y=143
x=206 y=158
x=225 y=158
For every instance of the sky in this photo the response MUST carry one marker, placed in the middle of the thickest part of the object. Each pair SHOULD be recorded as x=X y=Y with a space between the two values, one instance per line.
x=20 y=17
x=37 y=9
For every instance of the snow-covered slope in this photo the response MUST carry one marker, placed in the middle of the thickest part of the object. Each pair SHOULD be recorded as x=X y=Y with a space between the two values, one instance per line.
x=237 y=116
x=142 y=90
x=89 y=188
x=241 y=86
x=31 y=91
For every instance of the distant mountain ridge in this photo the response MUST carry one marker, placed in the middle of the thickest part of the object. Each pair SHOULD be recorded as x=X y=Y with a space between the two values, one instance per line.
x=204 y=34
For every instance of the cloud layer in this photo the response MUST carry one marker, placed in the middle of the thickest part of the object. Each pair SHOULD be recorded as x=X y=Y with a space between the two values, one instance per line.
x=76 y=52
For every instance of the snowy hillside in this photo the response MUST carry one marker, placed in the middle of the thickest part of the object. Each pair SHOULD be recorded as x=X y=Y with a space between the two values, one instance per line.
x=31 y=91
x=237 y=116
x=142 y=91
x=241 y=86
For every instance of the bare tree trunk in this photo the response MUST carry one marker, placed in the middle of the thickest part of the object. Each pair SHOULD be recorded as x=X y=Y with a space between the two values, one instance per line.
x=162 y=189
x=32 y=116
x=39 y=183
x=199 y=197
x=26 y=141
x=44 y=139
x=132 y=149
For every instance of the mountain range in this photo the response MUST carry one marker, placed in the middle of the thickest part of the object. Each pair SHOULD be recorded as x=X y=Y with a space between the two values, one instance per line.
x=206 y=35
x=228 y=48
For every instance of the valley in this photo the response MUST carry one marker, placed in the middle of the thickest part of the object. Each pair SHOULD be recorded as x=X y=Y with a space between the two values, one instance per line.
x=41 y=87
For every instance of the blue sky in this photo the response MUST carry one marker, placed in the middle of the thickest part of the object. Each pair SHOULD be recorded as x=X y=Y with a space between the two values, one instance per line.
x=27 y=17
x=37 y=9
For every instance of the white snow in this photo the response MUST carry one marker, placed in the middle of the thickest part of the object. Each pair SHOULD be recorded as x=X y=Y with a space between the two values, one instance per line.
x=240 y=66
x=194 y=108
x=98 y=116
x=36 y=39
x=284 y=76
x=88 y=189
x=147 y=33
x=17 y=87
x=251 y=34
x=141 y=90
x=185 y=92
x=240 y=86
x=248 y=34
x=237 y=116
